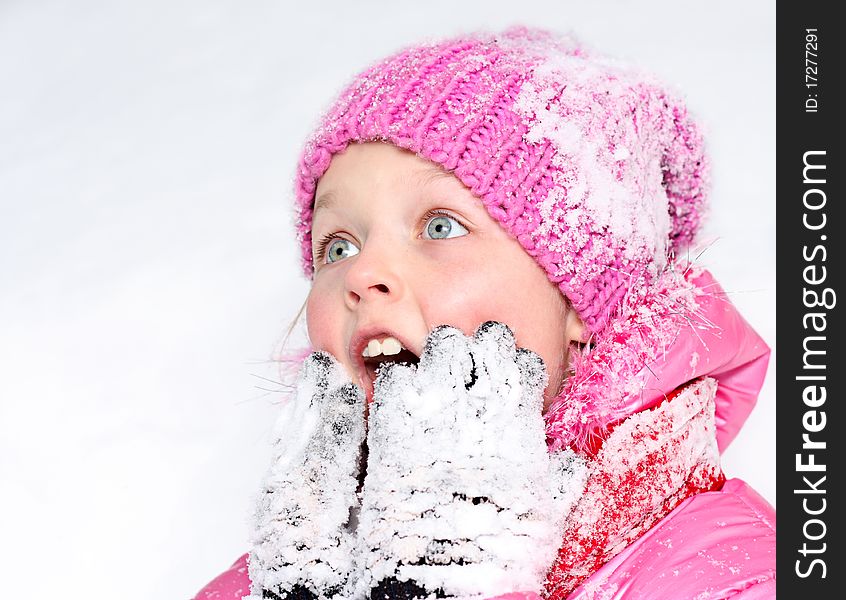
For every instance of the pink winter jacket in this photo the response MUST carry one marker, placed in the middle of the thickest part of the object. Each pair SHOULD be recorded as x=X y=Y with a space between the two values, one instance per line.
x=716 y=544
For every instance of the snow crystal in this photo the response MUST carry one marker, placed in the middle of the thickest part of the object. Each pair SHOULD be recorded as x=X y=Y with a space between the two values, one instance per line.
x=694 y=360
x=621 y=153
x=600 y=588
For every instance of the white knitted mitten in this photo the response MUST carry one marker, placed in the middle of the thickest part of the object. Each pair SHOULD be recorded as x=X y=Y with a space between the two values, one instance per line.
x=302 y=547
x=461 y=496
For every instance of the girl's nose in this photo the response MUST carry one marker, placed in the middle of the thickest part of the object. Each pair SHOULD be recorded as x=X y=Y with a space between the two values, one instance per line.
x=371 y=278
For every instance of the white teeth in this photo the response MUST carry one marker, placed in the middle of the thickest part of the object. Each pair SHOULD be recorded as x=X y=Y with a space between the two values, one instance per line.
x=374 y=348
x=389 y=346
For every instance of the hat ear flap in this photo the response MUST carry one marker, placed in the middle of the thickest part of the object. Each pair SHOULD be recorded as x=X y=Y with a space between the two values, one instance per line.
x=685 y=169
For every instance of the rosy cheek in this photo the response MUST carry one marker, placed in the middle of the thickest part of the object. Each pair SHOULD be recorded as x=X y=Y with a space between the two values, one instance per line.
x=463 y=301
x=320 y=320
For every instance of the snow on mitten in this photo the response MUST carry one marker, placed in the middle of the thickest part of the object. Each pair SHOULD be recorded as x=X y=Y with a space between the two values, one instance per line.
x=461 y=497
x=301 y=545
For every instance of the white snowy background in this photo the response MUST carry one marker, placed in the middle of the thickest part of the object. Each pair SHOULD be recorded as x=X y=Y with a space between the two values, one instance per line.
x=148 y=270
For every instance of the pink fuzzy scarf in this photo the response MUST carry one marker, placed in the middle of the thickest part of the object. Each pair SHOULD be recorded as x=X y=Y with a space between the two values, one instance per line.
x=621 y=372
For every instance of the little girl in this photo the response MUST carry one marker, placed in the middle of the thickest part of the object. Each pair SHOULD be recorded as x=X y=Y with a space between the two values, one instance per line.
x=519 y=385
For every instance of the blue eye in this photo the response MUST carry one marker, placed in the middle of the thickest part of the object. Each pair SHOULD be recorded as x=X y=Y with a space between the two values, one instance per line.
x=441 y=227
x=340 y=248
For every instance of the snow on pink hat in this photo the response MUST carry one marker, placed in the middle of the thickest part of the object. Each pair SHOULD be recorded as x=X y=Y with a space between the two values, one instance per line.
x=592 y=166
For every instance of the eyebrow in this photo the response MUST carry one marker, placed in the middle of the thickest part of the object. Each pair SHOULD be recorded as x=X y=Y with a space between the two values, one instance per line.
x=325 y=200
x=423 y=176
x=429 y=174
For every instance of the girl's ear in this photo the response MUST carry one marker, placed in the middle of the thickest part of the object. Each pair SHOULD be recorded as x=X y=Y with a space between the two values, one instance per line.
x=575 y=331
x=576 y=338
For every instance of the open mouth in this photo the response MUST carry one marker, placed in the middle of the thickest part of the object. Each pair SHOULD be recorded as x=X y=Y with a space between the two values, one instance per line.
x=372 y=347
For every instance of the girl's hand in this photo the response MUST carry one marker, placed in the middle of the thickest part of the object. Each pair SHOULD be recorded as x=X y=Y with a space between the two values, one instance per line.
x=301 y=546
x=461 y=496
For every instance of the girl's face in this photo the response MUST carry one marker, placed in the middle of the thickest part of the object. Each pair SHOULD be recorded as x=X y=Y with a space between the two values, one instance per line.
x=400 y=246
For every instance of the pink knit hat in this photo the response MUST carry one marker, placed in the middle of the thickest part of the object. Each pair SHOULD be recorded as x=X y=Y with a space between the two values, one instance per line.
x=593 y=167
